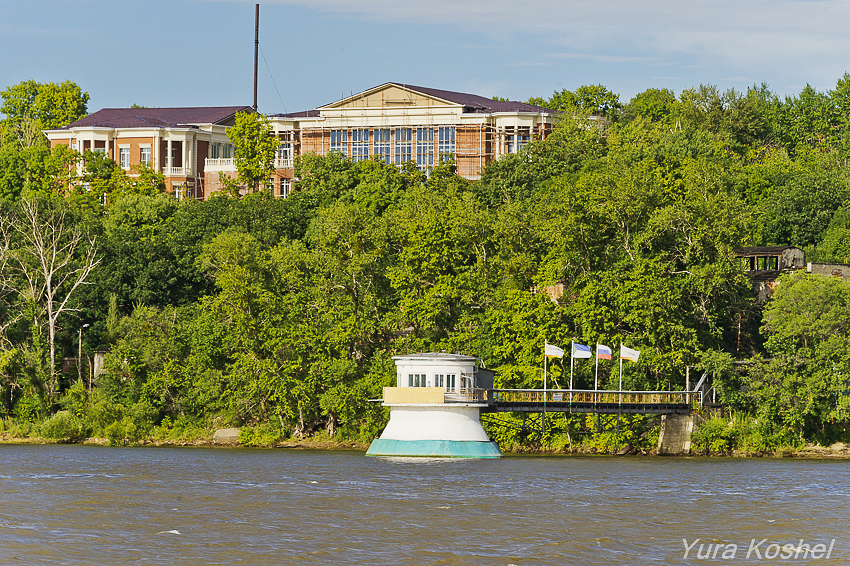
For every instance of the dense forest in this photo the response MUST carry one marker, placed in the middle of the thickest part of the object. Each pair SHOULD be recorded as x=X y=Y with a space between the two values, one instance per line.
x=281 y=316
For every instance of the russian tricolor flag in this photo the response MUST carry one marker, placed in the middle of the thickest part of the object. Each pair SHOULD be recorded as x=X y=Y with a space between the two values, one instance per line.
x=603 y=352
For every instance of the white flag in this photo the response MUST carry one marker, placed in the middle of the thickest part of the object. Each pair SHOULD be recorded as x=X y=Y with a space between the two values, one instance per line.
x=553 y=351
x=629 y=354
x=581 y=351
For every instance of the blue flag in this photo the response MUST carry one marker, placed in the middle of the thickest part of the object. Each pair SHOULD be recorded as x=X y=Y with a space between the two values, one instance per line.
x=581 y=351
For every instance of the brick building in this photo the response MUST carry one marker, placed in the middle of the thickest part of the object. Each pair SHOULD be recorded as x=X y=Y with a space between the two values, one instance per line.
x=393 y=122
x=399 y=123
x=186 y=144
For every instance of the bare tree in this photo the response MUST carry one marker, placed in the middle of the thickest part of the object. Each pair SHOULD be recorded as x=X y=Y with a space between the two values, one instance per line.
x=54 y=259
x=6 y=286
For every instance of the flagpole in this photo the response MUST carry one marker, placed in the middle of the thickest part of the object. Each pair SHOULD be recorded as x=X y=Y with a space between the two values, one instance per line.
x=572 y=349
x=545 y=375
x=596 y=375
x=621 y=373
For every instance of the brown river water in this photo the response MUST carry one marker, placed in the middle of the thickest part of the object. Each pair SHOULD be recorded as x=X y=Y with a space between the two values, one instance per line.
x=96 y=505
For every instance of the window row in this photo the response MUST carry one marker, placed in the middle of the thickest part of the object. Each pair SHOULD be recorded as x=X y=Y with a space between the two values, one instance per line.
x=447 y=381
x=355 y=144
x=124 y=156
x=283 y=189
x=221 y=151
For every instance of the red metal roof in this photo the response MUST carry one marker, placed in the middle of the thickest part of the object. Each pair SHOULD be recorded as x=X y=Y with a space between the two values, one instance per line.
x=478 y=103
x=471 y=102
x=157 y=117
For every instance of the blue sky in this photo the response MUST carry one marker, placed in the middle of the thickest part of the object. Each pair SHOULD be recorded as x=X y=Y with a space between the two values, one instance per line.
x=200 y=52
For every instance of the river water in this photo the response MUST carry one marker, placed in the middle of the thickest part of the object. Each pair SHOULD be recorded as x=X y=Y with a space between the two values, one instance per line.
x=96 y=505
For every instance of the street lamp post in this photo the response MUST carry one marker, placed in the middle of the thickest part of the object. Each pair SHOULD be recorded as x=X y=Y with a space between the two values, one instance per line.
x=80 y=356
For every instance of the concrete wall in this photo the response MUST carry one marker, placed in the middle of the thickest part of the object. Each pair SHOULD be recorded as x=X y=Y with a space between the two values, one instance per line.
x=675 y=437
x=676 y=431
x=839 y=270
x=435 y=423
x=398 y=395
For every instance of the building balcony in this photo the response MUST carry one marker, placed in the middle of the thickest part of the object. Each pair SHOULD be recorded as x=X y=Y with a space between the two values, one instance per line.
x=175 y=171
x=219 y=164
x=283 y=163
x=432 y=395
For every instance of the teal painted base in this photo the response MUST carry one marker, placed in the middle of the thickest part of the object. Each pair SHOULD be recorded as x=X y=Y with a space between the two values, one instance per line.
x=434 y=448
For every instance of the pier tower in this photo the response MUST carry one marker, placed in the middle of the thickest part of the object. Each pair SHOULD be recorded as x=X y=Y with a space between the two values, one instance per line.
x=434 y=408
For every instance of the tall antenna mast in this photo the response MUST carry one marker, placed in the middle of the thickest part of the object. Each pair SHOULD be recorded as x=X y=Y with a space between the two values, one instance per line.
x=256 y=49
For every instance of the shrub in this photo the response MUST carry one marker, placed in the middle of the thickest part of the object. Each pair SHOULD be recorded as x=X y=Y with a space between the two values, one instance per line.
x=264 y=434
x=29 y=407
x=715 y=435
x=64 y=425
x=135 y=425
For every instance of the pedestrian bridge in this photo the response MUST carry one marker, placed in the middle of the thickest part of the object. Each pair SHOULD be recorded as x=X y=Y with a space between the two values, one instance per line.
x=589 y=401
x=551 y=400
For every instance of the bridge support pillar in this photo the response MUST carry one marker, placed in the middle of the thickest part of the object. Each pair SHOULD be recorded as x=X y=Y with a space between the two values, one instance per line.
x=675 y=437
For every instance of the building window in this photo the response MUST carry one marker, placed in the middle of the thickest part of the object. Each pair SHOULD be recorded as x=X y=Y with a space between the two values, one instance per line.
x=284 y=156
x=424 y=148
x=359 y=145
x=439 y=380
x=522 y=141
x=225 y=151
x=178 y=191
x=416 y=380
x=124 y=157
x=285 y=188
x=145 y=155
x=339 y=141
x=403 y=145
x=446 y=143
x=451 y=383
x=381 y=144
x=514 y=143
x=215 y=149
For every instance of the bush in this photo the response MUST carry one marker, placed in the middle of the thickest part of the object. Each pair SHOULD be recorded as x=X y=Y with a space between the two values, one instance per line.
x=265 y=434
x=76 y=399
x=135 y=425
x=714 y=436
x=64 y=425
x=29 y=407
x=756 y=435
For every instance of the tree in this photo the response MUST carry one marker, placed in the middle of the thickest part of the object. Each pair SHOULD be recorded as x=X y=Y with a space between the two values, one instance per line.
x=653 y=104
x=804 y=387
x=51 y=105
x=254 y=148
x=595 y=100
x=54 y=258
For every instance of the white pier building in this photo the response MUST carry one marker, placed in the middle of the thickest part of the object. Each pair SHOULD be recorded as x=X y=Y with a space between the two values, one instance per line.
x=434 y=409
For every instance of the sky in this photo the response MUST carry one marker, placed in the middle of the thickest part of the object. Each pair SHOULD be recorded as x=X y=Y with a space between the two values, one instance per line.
x=313 y=52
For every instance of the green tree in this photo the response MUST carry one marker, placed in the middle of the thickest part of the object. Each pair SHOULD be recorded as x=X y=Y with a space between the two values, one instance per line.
x=804 y=387
x=254 y=148
x=653 y=104
x=596 y=100
x=51 y=105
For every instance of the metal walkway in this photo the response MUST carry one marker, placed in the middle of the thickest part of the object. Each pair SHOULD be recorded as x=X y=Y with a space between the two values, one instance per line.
x=589 y=401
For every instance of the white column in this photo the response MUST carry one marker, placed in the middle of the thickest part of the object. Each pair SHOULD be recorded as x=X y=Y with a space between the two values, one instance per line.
x=168 y=157
x=155 y=152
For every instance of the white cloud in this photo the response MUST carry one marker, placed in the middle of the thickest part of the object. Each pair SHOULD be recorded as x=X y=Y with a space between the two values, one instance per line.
x=747 y=37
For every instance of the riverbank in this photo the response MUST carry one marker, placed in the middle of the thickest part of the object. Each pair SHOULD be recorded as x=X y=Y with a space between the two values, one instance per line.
x=306 y=443
x=837 y=451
